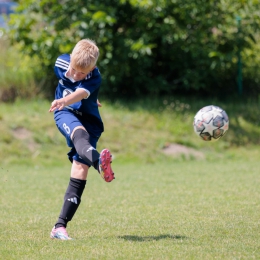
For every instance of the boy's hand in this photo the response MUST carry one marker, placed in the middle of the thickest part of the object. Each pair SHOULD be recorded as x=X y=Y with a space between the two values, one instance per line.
x=98 y=103
x=57 y=104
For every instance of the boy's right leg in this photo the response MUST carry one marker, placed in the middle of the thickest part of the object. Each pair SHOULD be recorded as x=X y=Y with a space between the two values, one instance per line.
x=72 y=200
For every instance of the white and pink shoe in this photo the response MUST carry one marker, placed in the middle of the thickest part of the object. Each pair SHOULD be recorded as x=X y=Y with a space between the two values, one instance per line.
x=60 y=233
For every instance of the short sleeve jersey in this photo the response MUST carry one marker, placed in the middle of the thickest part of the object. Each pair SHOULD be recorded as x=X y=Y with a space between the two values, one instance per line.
x=91 y=84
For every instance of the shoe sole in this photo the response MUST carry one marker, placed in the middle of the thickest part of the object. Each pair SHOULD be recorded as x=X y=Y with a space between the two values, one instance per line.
x=106 y=171
x=58 y=238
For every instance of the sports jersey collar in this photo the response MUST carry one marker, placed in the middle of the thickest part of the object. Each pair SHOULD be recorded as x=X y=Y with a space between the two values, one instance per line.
x=72 y=80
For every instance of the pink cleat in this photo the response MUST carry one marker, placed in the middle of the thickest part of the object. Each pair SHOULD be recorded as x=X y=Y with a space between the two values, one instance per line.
x=105 y=169
x=60 y=233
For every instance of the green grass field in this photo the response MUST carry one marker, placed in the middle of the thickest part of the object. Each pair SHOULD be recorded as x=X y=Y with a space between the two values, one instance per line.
x=159 y=207
x=173 y=210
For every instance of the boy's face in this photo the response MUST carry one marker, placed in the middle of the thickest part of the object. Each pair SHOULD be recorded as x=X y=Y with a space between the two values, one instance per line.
x=78 y=73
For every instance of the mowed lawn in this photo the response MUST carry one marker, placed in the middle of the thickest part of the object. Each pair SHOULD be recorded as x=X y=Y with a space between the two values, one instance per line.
x=167 y=210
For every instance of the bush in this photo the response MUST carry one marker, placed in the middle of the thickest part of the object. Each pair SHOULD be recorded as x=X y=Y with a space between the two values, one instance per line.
x=148 y=47
x=17 y=73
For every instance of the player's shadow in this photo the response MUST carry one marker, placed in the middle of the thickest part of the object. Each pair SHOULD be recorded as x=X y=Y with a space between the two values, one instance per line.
x=152 y=238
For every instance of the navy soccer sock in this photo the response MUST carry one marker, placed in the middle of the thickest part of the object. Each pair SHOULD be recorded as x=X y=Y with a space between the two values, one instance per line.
x=72 y=200
x=85 y=150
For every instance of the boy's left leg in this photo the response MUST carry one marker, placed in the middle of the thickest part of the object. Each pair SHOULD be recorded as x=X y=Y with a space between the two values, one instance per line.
x=72 y=200
x=101 y=162
x=81 y=140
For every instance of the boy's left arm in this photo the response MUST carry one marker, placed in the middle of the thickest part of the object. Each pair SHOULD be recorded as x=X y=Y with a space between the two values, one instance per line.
x=74 y=97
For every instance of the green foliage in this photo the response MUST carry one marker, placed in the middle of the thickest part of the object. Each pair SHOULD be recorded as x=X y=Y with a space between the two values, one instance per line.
x=17 y=73
x=148 y=47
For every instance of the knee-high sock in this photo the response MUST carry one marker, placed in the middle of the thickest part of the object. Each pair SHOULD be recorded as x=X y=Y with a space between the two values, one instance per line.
x=72 y=200
x=85 y=150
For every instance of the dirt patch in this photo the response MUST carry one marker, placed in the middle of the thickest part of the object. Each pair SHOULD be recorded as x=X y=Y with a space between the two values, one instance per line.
x=22 y=133
x=177 y=150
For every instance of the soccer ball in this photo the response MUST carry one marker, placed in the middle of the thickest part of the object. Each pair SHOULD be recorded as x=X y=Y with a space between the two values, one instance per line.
x=211 y=123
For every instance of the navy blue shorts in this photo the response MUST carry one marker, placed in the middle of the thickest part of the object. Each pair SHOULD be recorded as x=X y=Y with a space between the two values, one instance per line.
x=66 y=121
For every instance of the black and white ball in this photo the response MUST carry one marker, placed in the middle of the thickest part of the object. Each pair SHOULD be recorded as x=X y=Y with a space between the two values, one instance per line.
x=211 y=123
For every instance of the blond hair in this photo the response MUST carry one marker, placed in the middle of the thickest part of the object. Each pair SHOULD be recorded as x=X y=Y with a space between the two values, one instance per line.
x=85 y=54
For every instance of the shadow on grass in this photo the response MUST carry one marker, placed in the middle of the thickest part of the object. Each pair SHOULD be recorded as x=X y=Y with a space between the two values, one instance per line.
x=151 y=238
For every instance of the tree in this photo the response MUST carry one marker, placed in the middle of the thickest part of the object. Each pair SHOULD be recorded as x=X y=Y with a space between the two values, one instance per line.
x=147 y=46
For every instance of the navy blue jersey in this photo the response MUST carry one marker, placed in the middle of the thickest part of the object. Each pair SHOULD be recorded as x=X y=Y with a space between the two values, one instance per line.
x=91 y=84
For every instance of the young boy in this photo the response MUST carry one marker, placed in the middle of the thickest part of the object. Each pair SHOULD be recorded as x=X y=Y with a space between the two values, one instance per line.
x=77 y=118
